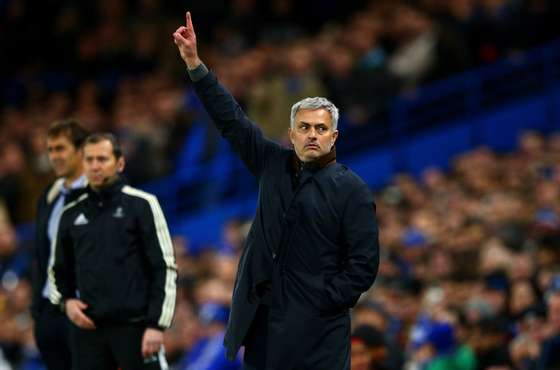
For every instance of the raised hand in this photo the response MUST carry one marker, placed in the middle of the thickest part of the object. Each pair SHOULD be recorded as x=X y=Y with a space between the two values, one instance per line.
x=185 y=39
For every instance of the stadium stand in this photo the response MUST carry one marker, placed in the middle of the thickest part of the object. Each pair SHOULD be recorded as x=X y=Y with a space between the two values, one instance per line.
x=461 y=147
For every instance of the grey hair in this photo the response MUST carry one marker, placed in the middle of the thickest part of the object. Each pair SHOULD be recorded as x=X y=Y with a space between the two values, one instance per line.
x=315 y=103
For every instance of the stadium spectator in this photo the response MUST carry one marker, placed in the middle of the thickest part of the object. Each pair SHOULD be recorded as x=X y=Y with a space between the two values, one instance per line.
x=368 y=349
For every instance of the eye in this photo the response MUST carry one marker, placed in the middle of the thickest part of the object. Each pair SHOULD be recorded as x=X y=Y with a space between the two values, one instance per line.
x=321 y=129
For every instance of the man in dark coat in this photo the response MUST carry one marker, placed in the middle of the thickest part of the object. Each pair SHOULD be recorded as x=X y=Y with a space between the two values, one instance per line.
x=313 y=246
x=64 y=141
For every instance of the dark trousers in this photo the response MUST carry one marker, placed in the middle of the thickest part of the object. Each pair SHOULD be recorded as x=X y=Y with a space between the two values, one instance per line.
x=112 y=346
x=256 y=341
x=51 y=335
x=307 y=351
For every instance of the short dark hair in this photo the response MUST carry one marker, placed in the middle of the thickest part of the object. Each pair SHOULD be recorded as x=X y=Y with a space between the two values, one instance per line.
x=70 y=128
x=99 y=137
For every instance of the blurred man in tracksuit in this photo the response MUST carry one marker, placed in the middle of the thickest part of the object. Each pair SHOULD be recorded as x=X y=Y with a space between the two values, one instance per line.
x=113 y=270
x=64 y=141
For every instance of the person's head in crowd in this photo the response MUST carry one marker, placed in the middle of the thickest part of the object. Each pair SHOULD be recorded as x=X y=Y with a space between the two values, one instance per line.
x=339 y=63
x=408 y=297
x=497 y=291
x=441 y=265
x=409 y=20
x=544 y=276
x=224 y=267
x=103 y=160
x=477 y=309
x=489 y=339
x=431 y=340
x=19 y=298
x=12 y=159
x=531 y=143
x=494 y=255
x=213 y=317
x=532 y=322
x=300 y=59
x=362 y=34
x=212 y=290
x=547 y=194
x=522 y=267
x=441 y=337
x=524 y=350
x=8 y=240
x=371 y=313
x=415 y=243
x=64 y=147
x=523 y=296
x=553 y=304
x=368 y=349
x=233 y=235
x=434 y=179
x=547 y=255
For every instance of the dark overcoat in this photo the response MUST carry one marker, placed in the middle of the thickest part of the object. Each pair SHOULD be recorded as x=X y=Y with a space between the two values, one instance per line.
x=314 y=237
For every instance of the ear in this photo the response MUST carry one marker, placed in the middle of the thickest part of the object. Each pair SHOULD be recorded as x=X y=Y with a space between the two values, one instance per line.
x=120 y=165
x=334 y=137
x=291 y=134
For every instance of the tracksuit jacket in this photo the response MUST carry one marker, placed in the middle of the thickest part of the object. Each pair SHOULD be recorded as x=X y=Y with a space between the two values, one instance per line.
x=114 y=252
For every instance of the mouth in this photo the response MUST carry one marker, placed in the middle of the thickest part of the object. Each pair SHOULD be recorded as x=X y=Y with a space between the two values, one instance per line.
x=312 y=146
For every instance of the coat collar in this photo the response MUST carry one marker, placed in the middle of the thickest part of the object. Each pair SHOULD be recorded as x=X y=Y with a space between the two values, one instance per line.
x=108 y=191
x=298 y=166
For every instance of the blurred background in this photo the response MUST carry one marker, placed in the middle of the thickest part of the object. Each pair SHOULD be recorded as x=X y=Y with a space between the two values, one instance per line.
x=450 y=112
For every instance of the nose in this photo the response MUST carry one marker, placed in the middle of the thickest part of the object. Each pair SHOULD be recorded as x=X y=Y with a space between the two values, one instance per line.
x=312 y=133
x=94 y=165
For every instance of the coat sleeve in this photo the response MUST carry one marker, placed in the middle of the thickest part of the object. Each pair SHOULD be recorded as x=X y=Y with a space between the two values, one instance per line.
x=243 y=135
x=360 y=232
x=161 y=258
x=61 y=271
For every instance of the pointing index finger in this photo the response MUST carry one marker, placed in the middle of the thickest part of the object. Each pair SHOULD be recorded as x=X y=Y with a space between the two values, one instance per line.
x=189 y=21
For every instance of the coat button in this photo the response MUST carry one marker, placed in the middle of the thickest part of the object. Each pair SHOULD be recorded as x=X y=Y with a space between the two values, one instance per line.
x=273 y=256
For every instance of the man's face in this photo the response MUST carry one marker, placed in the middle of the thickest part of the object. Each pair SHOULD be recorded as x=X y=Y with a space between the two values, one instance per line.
x=100 y=164
x=65 y=158
x=360 y=357
x=313 y=135
x=554 y=312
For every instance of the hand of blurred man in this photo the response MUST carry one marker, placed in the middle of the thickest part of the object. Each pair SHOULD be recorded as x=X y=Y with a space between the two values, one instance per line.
x=75 y=312
x=185 y=39
x=151 y=342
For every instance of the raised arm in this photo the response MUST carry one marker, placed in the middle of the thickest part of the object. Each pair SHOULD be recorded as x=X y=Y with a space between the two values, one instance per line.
x=244 y=136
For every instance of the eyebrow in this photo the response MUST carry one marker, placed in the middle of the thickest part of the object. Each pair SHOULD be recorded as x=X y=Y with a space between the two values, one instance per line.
x=313 y=124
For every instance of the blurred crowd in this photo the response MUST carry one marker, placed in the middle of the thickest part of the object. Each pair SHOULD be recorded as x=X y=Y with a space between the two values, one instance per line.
x=470 y=272
x=469 y=276
x=112 y=65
